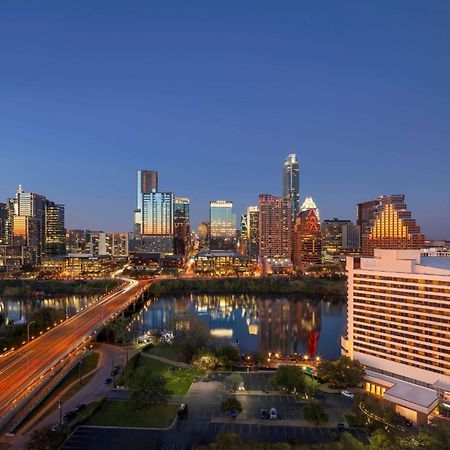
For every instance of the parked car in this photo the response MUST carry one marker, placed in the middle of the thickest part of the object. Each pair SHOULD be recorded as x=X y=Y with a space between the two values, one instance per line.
x=114 y=372
x=108 y=381
x=80 y=407
x=182 y=411
x=241 y=387
x=347 y=394
x=70 y=416
x=273 y=414
x=57 y=427
x=341 y=426
x=234 y=414
x=264 y=414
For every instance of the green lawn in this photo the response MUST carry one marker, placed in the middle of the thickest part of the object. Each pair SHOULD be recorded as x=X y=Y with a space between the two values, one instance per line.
x=354 y=421
x=124 y=414
x=166 y=351
x=179 y=381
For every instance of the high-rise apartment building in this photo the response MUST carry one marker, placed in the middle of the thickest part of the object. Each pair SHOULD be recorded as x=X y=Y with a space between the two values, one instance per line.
x=307 y=240
x=181 y=225
x=391 y=227
x=253 y=230
x=222 y=225
x=398 y=326
x=147 y=181
x=55 y=232
x=275 y=230
x=291 y=183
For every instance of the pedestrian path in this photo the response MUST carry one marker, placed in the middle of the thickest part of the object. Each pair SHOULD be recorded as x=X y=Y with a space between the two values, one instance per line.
x=167 y=361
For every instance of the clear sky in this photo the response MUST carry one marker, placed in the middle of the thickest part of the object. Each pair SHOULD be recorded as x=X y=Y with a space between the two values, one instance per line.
x=215 y=94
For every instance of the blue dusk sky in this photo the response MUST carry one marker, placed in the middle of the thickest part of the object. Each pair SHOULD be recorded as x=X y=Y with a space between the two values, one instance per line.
x=215 y=94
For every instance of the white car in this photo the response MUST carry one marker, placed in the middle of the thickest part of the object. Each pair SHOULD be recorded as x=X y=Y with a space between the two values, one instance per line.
x=273 y=414
x=348 y=394
x=241 y=387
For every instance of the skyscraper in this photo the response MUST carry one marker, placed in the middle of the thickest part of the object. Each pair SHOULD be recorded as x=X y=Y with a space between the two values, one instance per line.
x=55 y=232
x=291 y=183
x=3 y=223
x=253 y=230
x=332 y=237
x=147 y=181
x=307 y=240
x=391 y=227
x=181 y=227
x=243 y=235
x=365 y=213
x=310 y=204
x=222 y=222
x=275 y=230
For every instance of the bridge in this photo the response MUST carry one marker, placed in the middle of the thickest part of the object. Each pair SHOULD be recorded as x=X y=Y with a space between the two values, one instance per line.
x=30 y=372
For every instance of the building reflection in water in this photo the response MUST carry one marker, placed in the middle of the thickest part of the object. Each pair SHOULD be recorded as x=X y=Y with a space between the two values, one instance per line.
x=258 y=324
x=16 y=310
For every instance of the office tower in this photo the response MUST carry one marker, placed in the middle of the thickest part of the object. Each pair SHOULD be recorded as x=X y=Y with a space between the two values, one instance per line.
x=29 y=221
x=181 y=225
x=55 y=232
x=291 y=183
x=332 y=237
x=78 y=241
x=350 y=236
x=147 y=181
x=222 y=225
x=391 y=227
x=157 y=222
x=253 y=230
x=310 y=204
x=243 y=236
x=120 y=244
x=365 y=212
x=275 y=231
x=203 y=231
x=3 y=223
x=398 y=327
x=307 y=245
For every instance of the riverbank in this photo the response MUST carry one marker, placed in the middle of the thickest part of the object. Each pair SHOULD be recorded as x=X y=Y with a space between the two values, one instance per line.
x=28 y=288
x=308 y=286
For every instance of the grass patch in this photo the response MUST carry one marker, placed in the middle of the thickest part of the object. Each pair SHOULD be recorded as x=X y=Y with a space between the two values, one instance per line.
x=179 y=380
x=125 y=414
x=166 y=351
x=354 y=421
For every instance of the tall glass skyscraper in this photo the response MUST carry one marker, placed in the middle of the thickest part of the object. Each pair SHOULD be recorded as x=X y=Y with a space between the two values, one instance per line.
x=157 y=213
x=222 y=222
x=147 y=181
x=291 y=183
x=181 y=226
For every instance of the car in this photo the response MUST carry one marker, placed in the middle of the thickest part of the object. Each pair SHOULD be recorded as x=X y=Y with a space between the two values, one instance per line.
x=114 y=372
x=70 y=416
x=108 y=381
x=347 y=394
x=57 y=427
x=264 y=414
x=241 y=387
x=234 y=414
x=117 y=368
x=182 y=411
x=341 y=426
x=273 y=414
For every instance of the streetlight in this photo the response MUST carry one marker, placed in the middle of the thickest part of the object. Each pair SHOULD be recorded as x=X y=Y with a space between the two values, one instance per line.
x=28 y=330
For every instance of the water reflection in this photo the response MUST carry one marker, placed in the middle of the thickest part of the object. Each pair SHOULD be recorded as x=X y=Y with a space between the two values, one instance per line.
x=257 y=323
x=17 y=310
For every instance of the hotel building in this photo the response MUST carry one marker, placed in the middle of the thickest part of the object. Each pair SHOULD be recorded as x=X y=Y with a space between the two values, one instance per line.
x=399 y=329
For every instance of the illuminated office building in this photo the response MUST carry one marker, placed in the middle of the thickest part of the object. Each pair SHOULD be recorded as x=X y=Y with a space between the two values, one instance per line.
x=398 y=326
x=332 y=237
x=147 y=181
x=3 y=223
x=310 y=204
x=307 y=240
x=243 y=236
x=181 y=225
x=291 y=183
x=391 y=227
x=222 y=225
x=55 y=232
x=275 y=231
x=253 y=230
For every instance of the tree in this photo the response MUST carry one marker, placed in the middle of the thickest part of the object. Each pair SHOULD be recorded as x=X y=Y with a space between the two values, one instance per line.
x=341 y=373
x=148 y=388
x=206 y=360
x=195 y=338
x=311 y=386
x=314 y=412
x=234 y=380
x=289 y=379
x=228 y=354
x=231 y=404
x=381 y=441
x=46 y=439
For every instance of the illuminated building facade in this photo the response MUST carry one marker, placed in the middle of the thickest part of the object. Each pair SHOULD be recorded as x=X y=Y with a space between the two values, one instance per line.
x=275 y=231
x=243 y=235
x=307 y=237
x=224 y=263
x=55 y=232
x=391 y=227
x=332 y=237
x=3 y=223
x=398 y=326
x=147 y=181
x=310 y=204
x=291 y=183
x=181 y=225
x=222 y=225
x=203 y=235
x=253 y=230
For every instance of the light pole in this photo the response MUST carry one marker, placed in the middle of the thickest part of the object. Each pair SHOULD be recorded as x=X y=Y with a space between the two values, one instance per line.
x=28 y=330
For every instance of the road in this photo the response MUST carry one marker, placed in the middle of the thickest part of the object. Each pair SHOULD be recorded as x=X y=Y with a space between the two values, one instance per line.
x=27 y=366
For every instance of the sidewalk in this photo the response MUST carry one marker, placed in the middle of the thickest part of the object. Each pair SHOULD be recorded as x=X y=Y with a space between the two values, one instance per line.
x=279 y=422
x=167 y=361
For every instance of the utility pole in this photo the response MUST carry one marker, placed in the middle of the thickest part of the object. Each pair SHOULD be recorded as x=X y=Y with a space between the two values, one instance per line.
x=60 y=411
x=28 y=330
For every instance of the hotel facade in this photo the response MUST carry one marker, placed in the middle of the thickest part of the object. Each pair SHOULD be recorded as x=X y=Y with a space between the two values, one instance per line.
x=398 y=327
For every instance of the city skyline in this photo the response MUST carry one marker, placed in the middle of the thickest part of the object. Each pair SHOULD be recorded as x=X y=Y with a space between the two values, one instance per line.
x=220 y=100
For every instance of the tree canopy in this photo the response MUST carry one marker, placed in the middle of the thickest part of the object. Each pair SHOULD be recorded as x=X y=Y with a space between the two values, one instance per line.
x=341 y=373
